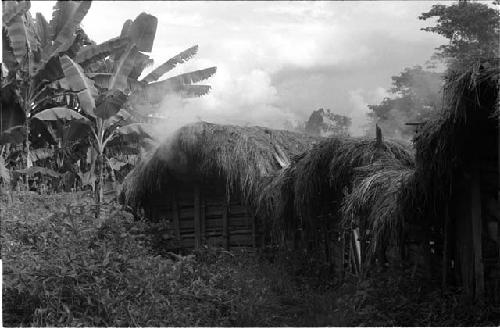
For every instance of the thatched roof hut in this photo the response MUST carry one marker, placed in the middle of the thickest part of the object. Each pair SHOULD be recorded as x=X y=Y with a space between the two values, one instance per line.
x=307 y=197
x=457 y=173
x=224 y=163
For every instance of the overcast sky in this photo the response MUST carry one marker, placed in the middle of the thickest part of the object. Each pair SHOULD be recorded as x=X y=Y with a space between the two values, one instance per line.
x=278 y=61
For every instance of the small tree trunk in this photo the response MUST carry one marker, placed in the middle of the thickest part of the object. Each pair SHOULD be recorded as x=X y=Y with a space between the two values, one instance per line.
x=99 y=184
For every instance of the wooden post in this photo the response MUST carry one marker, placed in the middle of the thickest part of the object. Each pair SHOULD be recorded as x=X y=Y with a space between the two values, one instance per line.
x=176 y=216
x=378 y=133
x=254 y=232
x=476 y=233
x=225 y=221
x=498 y=182
x=197 y=216
x=444 y=278
x=203 y=221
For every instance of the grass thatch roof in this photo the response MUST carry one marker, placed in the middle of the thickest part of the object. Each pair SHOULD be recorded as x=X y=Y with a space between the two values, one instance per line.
x=245 y=156
x=446 y=145
x=312 y=189
x=379 y=191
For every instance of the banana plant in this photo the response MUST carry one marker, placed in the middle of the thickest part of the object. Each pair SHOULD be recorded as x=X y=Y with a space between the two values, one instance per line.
x=31 y=49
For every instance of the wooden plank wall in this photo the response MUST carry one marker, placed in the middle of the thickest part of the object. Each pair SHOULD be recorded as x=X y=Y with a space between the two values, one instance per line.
x=202 y=214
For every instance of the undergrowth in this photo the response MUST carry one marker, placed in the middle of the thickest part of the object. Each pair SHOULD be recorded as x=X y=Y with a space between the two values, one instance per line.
x=63 y=267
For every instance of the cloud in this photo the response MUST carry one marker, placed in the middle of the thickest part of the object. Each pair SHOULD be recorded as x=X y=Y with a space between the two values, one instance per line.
x=278 y=61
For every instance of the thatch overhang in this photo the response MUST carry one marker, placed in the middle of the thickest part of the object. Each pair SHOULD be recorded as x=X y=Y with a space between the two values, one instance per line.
x=447 y=147
x=309 y=193
x=245 y=157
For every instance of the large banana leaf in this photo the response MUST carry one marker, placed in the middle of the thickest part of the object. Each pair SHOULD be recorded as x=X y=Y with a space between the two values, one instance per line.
x=66 y=18
x=142 y=31
x=100 y=51
x=140 y=130
x=126 y=28
x=154 y=94
x=18 y=35
x=109 y=103
x=59 y=114
x=123 y=68
x=170 y=64
x=11 y=9
x=194 y=90
x=141 y=62
x=102 y=80
x=13 y=135
x=192 y=77
x=38 y=169
x=76 y=130
x=4 y=171
x=42 y=30
x=40 y=154
x=79 y=82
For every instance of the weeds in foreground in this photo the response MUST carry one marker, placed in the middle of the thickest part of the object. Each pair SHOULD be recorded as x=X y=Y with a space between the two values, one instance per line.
x=62 y=267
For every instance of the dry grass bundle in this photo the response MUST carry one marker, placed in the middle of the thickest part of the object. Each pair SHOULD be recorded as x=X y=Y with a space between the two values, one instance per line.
x=309 y=193
x=244 y=156
x=326 y=173
x=379 y=196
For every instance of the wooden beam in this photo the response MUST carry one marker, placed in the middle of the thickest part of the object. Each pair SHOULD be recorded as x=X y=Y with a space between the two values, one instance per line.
x=477 y=233
x=197 y=216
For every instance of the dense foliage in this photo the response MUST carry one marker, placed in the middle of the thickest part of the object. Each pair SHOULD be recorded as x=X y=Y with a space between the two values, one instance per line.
x=64 y=268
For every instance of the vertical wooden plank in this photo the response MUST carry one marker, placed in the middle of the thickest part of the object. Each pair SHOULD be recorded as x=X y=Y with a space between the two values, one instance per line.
x=445 y=264
x=203 y=221
x=197 y=216
x=176 y=216
x=476 y=233
x=254 y=234
x=498 y=182
x=225 y=222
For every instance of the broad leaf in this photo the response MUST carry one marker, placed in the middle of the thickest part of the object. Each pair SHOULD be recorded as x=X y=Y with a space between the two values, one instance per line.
x=38 y=169
x=141 y=62
x=102 y=80
x=109 y=103
x=11 y=9
x=76 y=130
x=42 y=30
x=4 y=172
x=126 y=28
x=123 y=116
x=58 y=114
x=14 y=135
x=142 y=31
x=136 y=129
x=193 y=77
x=170 y=64
x=40 y=154
x=193 y=90
x=123 y=68
x=66 y=18
x=155 y=92
x=18 y=35
x=79 y=82
x=96 y=52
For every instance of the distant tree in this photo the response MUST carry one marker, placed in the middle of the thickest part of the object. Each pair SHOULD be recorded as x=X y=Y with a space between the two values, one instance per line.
x=416 y=96
x=472 y=28
x=325 y=123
